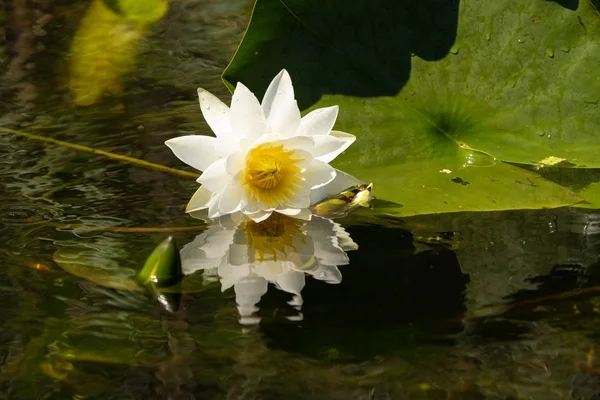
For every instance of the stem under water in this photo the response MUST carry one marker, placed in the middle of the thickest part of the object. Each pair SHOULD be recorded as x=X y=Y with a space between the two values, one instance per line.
x=103 y=153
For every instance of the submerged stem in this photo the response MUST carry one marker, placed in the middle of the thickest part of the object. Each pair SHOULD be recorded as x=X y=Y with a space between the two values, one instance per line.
x=113 y=156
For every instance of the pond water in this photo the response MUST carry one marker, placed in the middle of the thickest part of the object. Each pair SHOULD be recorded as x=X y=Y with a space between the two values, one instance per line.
x=502 y=305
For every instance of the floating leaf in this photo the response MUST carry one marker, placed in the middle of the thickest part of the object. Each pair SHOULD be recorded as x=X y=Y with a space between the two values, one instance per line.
x=458 y=106
x=520 y=104
x=591 y=196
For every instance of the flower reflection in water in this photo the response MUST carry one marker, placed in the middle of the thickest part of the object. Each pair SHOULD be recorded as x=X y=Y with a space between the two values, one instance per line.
x=281 y=250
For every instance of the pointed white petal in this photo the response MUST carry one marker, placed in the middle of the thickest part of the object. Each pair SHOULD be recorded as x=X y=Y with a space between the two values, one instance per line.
x=195 y=150
x=201 y=215
x=199 y=200
x=260 y=215
x=279 y=95
x=304 y=143
x=341 y=182
x=285 y=122
x=247 y=117
x=216 y=113
x=318 y=122
x=330 y=146
x=230 y=220
x=292 y=212
x=319 y=174
x=213 y=207
x=300 y=201
x=215 y=177
x=230 y=198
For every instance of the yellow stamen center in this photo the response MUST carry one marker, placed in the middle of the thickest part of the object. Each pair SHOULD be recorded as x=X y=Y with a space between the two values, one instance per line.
x=271 y=176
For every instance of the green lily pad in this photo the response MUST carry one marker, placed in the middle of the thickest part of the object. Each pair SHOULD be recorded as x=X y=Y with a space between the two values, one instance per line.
x=463 y=106
x=531 y=64
x=591 y=196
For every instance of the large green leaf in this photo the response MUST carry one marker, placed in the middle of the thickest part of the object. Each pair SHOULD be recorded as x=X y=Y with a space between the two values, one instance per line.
x=433 y=127
x=525 y=71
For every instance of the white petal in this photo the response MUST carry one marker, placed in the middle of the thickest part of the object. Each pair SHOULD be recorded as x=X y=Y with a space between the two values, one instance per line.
x=213 y=206
x=289 y=211
x=195 y=150
x=279 y=95
x=341 y=182
x=201 y=215
x=305 y=214
x=304 y=143
x=300 y=201
x=215 y=177
x=292 y=282
x=235 y=163
x=330 y=146
x=260 y=215
x=230 y=220
x=199 y=200
x=319 y=174
x=285 y=122
x=318 y=122
x=230 y=198
x=247 y=117
x=216 y=113
x=304 y=158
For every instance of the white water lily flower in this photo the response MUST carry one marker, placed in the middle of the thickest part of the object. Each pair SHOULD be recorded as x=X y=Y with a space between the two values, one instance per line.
x=265 y=157
x=280 y=250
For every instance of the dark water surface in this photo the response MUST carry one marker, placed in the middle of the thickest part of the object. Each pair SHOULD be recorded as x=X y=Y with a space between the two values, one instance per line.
x=499 y=305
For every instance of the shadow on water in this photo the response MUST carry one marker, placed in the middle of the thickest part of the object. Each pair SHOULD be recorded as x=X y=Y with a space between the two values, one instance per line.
x=367 y=46
x=570 y=4
x=389 y=301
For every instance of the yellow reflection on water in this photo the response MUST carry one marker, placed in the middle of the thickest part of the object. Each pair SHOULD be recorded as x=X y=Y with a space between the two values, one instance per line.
x=105 y=44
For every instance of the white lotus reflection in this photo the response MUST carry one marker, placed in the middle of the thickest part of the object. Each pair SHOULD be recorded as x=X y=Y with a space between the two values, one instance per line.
x=281 y=250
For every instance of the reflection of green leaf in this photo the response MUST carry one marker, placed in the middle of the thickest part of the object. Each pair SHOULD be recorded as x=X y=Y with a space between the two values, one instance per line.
x=493 y=93
x=104 y=46
x=143 y=11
